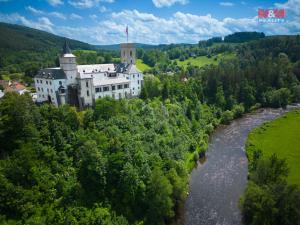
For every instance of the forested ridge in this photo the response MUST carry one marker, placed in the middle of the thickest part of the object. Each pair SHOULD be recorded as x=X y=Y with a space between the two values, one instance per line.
x=127 y=161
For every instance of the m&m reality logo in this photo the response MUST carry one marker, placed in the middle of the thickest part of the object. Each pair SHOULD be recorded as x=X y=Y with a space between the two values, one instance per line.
x=271 y=15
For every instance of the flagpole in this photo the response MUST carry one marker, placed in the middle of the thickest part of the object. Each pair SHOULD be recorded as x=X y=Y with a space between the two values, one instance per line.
x=127 y=33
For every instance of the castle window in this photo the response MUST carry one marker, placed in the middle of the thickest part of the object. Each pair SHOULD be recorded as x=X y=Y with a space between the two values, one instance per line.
x=120 y=86
x=48 y=90
x=87 y=93
x=37 y=81
x=126 y=85
x=87 y=84
x=98 y=90
x=46 y=82
x=38 y=89
x=105 y=88
x=113 y=87
x=42 y=89
x=131 y=53
x=138 y=82
x=50 y=83
x=60 y=83
x=133 y=76
x=41 y=81
x=138 y=75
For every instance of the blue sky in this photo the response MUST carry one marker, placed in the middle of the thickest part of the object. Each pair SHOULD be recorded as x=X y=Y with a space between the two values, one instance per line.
x=149 y=21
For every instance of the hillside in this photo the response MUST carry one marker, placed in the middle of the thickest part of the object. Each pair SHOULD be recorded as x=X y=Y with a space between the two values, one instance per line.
x=18 y=38
x=25 y=50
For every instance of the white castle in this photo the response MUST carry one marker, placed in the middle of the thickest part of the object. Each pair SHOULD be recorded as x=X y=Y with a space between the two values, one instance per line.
x=81 y=85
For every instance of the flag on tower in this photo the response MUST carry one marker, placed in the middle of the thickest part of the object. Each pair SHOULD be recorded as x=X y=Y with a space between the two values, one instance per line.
x=127 y=32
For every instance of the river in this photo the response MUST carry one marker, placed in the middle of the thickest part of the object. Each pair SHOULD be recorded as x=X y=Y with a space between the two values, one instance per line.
x=217 y=184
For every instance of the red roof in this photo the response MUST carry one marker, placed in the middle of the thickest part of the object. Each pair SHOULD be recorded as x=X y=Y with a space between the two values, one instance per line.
x=15 y=86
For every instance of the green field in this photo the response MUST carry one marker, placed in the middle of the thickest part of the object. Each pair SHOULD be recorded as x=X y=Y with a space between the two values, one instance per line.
x=204 y=60
x=282 y=137
x=141 y=65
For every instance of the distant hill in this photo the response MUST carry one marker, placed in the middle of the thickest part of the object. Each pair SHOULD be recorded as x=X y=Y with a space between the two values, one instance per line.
x=240 y=37
x=117 y=46
x=17 y=38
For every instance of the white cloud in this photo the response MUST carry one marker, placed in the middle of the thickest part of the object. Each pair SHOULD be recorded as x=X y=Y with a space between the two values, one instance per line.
x=35 y=11
x=43 y=23
x=74 y=16
x=40 y=12
x=226 y=4
x=292 y=6
x=84 y=4
x=57 y=15
x=55 y=2
x=151 y=29
x=103 y=9
x=168 y=3
x=94 y=17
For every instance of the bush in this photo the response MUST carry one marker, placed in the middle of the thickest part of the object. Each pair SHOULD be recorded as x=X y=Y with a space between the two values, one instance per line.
x=226 y=117
x=238 y=110
x=278 y=98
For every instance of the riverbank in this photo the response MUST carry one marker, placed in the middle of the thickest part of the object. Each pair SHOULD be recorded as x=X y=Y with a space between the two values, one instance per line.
x=280 y=137
x=216 y=186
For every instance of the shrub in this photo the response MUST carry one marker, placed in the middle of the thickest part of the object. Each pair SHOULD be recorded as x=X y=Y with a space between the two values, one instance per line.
x=226 y=117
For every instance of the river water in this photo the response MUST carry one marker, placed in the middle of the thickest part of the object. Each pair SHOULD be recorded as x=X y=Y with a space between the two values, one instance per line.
x=216 y=185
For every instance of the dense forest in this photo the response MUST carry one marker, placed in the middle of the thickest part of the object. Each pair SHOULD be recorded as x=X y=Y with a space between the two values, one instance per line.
x=127 y=162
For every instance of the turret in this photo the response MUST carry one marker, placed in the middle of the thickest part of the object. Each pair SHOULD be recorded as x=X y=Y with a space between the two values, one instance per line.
x=68 y=63
x=128 y=53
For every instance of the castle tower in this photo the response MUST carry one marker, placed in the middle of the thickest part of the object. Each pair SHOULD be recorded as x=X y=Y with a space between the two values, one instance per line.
x=68 y=63
x=128 y=53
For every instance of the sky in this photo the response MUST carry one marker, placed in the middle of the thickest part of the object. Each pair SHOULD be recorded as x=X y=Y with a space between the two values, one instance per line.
x=104 y=22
